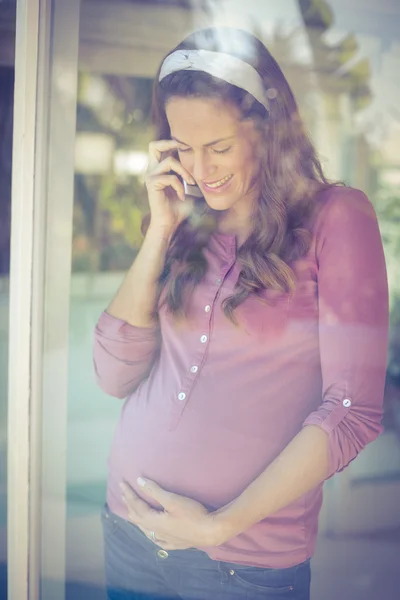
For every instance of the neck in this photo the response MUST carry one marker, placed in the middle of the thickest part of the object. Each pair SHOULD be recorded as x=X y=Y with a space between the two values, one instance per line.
x=238 y=219
x=232 y=224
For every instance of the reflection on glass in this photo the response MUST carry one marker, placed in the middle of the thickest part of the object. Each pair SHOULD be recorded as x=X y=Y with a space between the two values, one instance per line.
x=341 y=65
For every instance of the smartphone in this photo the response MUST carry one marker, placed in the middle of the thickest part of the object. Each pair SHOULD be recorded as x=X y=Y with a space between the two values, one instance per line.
x=192 y=191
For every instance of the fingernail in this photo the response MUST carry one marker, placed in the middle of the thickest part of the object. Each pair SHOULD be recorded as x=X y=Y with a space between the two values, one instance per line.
x=141 y=481
x=122 y=485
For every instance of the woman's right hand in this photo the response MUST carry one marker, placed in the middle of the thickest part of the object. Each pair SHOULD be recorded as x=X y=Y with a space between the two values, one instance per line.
x=165 y=189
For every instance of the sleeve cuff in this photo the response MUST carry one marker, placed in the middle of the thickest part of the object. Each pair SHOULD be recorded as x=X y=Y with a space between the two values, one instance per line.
x=330 y=414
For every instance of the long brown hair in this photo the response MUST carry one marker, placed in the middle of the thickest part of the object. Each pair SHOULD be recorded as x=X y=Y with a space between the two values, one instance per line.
x=290 y=172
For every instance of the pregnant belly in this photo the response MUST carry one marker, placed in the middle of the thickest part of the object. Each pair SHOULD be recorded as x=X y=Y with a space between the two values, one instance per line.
x=201 y=463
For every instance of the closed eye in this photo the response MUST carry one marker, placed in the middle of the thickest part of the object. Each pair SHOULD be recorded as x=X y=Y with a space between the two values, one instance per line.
x=212 y=150
x=222 y=151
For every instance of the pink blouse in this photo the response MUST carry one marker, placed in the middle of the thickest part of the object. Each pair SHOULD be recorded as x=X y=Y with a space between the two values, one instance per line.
x=209 y=405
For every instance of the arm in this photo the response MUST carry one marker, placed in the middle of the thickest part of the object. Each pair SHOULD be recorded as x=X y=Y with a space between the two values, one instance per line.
x=122 y=354
x=135 y=300
x=353 y=324
x=127 y=335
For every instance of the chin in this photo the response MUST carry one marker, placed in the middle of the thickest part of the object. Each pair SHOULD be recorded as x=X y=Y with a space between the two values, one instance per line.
x=220 y=204
x=218 y=208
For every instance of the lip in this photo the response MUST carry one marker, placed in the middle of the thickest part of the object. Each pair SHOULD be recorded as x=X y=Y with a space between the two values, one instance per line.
x=216 y=190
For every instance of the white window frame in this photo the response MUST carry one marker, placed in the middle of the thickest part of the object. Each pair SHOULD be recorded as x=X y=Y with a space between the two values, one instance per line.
x=46 y=65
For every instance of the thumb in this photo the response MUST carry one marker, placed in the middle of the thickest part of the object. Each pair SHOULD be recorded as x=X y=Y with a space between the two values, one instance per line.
x=166 y=499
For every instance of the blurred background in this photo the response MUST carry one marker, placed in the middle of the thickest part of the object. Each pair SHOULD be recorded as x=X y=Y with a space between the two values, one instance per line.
x=342 y=60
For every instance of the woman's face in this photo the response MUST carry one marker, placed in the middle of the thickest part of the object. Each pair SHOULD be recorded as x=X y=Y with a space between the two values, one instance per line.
x=219 y=150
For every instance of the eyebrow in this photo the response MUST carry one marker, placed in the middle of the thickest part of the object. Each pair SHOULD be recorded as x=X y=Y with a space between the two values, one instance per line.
x=209 y=143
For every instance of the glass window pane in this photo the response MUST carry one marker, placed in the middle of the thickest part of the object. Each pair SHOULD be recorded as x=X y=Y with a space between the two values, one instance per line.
x=341 y=60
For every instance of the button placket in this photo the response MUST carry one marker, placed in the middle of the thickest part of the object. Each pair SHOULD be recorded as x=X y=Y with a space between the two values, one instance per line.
x=188 y=382
x=197 y=361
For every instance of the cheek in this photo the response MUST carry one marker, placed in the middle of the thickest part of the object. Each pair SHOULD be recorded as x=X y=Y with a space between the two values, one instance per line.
x=253 y=164
x=248 y=165
x=247 y=155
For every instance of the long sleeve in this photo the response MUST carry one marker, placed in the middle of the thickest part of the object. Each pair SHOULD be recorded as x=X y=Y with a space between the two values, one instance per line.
x=123 y=354
x=353 y=325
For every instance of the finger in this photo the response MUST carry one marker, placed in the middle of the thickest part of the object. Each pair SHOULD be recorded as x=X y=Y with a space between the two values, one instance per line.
x=156 y=148
x=137 y=508
x=172 y=164
x=158 y=540
x=160 y=182
x=165 y=543
x=163 y=497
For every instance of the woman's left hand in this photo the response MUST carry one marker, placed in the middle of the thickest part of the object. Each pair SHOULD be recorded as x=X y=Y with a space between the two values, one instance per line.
x=184 y=523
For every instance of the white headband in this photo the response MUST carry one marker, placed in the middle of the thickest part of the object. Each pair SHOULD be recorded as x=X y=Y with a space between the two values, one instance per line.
x=218 y=64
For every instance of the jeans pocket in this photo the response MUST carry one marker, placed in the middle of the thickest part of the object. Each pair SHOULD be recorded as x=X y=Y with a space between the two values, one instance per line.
x=274 y=583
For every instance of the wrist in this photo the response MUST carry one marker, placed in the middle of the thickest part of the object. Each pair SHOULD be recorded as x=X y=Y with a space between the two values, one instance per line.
x=222 y=527
x=161 y=233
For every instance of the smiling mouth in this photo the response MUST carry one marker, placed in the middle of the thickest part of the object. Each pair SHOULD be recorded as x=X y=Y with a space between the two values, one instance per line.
x=219 y=183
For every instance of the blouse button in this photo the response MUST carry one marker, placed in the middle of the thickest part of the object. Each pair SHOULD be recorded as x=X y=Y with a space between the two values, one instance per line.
x=207 y=308
x=346 y=402
x=194 y=369
x=181 y=396
x=203 y=339
x=218 y=281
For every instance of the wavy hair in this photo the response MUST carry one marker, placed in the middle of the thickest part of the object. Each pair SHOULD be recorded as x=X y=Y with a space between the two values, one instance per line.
x=290 y=173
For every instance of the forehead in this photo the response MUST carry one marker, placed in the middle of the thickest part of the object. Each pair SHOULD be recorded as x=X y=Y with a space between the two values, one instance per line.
x=199 y=120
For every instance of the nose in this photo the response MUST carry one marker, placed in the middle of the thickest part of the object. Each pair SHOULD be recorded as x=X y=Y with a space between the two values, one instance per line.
x=203 y=166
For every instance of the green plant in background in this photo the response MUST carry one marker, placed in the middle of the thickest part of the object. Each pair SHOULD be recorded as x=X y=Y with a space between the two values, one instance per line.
x=123 y=204
x=109 y=206
x=387 y=206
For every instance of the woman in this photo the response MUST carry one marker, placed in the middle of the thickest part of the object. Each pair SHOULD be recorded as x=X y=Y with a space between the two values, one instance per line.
x=249 y=338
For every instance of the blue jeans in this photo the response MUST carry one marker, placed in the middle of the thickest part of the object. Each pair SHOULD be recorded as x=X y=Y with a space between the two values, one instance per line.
x=137 y=569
